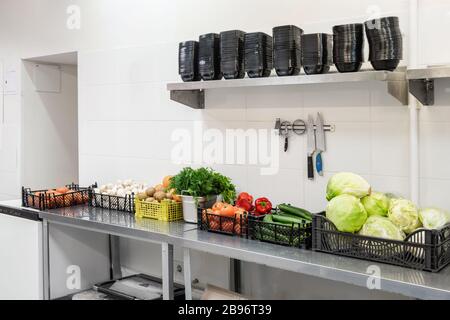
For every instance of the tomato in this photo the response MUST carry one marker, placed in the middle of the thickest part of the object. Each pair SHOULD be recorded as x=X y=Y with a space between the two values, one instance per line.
x=227 y=210
x=214 y=222
x=227 y=225
x=217 y=207
x=62 y=190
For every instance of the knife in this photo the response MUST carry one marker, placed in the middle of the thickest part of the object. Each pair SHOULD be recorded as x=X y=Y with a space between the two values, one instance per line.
x=320 y=143
x=311 y=136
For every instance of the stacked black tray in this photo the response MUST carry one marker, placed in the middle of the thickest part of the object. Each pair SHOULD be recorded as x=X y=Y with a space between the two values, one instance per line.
x=317 y=52
x=188 y=61
x=385 y=43
x=209 y=57
x=287 y=50
x=232 y=54
x=258 y=54
x=348 y=49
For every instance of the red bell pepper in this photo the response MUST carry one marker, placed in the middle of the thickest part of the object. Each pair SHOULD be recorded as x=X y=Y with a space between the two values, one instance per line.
x=263 y=206
x=245 y=201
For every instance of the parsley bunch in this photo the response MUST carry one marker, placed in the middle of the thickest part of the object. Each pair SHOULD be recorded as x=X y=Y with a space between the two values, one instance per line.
x=203 y=182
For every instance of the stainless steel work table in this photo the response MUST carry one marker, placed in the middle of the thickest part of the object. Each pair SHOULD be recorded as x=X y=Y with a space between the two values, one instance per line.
x=412 y=283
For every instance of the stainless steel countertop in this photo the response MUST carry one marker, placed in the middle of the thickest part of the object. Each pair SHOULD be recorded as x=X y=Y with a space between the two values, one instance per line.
x=412 y=283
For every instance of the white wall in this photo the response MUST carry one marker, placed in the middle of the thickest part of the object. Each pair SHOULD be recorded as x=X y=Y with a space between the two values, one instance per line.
x=128 y=51
x=49 y=130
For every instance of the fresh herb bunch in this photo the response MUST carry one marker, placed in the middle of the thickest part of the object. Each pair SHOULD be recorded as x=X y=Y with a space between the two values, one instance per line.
x=203 y=182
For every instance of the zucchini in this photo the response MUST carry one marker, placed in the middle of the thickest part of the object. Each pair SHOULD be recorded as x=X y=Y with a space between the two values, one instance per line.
x=288 y=220
x=302 y=213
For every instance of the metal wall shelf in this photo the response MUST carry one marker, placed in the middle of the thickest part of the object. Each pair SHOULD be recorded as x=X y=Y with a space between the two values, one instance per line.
x=421 y=82
x=192 y=93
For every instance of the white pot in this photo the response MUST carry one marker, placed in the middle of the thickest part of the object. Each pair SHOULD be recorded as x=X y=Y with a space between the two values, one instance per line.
x=190 y=206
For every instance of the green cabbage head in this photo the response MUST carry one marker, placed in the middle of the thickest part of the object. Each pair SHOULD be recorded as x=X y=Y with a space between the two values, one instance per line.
x=347 y=183
x=346 y=212
x=434 y=218
x=382 y=227
x=376 y=204
x=404 y=214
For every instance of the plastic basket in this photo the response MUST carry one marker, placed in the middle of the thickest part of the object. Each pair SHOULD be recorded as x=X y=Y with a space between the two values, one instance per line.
x=164 y=210
x=112 y=202
x=43 y=200
x=232 y=226
x=295 y=235
x=424 y=249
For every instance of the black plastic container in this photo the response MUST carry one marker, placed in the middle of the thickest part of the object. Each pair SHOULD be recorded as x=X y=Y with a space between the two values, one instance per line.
x=348 y=47
x=45 y=200
x=424 y=249
x=112 y=202
x=142 y=281
x=317 y=53
x=385 y=43
x=287 y=50
x=258 y=54
x=232 y=54
x=188 y=61
x=232 y=226
x=209 y=57
x=296 y=235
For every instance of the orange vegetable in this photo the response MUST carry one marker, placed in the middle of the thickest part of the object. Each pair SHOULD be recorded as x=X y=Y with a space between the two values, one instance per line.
x=227 y=210
x=217 y=207
x=62 y=190
x=166 y=181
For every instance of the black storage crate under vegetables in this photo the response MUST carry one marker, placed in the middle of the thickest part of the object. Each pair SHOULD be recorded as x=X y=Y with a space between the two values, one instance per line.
x=232 y=226
x=45 y=200
x=424 y=249
x=111 y=202
x=296 y=235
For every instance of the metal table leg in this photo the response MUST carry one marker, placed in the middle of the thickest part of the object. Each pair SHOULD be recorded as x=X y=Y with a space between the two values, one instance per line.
x=235 y=275
x=187 y=273
x=114 y=257
x=167 y=271
x=46 y=259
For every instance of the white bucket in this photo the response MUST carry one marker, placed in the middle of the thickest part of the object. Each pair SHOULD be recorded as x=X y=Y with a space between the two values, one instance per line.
x=190 y=206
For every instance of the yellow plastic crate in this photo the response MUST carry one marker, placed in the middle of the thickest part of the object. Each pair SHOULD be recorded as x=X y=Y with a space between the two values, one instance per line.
x=164 y=211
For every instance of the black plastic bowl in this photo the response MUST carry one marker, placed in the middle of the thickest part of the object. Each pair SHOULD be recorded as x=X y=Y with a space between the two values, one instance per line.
x=348 y=67
x=316 y=69
x=389 y=65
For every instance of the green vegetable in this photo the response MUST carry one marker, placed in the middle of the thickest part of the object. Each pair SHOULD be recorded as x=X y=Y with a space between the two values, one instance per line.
x=347 y=183
x=376 y=204
x=404 y=214
x=347 y=213
x=434 y=218
x=299 y=212
x=381 y=227
x=203 y=182
x=287 y=220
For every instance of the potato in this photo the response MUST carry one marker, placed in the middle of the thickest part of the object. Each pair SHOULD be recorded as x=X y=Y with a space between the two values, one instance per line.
x=159 y=187
x=159 y=195
x=150 y=199
x=150 y=192
x=142 y=196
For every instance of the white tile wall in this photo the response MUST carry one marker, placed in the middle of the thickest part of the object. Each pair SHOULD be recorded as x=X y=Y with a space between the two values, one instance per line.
x=126 y=116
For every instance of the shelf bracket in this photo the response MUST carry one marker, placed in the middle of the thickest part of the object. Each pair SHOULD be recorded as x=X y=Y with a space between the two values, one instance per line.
x=399 y=90
x=191 y=98
x=423 y=90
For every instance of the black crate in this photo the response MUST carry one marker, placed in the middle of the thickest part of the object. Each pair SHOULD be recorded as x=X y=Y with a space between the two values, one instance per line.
x=424 y=249
x=296 y=235
x=44 y=200
x=112 y=202
x=232 y=226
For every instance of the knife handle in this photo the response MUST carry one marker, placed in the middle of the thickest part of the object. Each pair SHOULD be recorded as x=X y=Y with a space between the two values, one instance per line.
x=310 y=168
x=319 y=165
